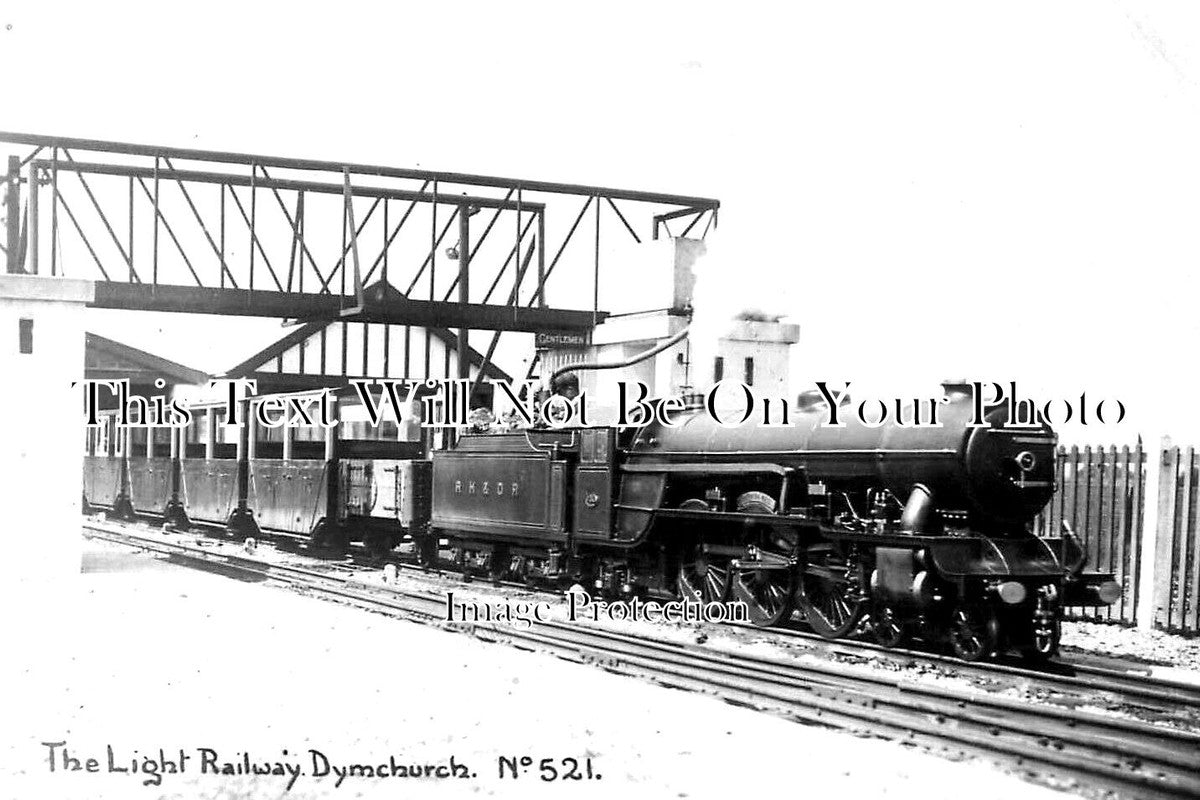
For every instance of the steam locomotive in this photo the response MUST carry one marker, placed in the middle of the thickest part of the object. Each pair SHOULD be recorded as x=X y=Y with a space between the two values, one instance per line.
x=905 y=531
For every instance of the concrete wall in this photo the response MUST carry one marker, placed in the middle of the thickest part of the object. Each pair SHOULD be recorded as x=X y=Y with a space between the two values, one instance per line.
x=769 y=344
x=672 y=372
x=43 y=423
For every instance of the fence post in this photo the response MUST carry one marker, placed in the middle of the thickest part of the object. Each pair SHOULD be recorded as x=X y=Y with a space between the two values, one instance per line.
x=12 y=214
x=1152 y=494
x=1191 y=593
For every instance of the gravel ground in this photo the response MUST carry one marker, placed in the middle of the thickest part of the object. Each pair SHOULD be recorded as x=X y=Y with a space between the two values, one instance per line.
x=1168 y=655
x=140 y=655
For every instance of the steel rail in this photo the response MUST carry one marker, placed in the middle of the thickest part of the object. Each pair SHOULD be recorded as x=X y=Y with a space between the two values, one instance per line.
x=1086 y=676
x=1129 y=687
x=1136 y=758
x=1126 y=687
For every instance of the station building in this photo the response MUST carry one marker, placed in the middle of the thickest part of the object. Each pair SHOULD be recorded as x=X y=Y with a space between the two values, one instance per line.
x=313 y=355
x=109 y=360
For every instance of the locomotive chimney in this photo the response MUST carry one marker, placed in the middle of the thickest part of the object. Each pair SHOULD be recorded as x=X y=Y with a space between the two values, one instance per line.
x=956 y=386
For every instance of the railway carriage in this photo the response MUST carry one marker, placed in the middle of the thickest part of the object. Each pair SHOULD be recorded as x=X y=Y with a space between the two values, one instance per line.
x=104 y=468
x=303 y=483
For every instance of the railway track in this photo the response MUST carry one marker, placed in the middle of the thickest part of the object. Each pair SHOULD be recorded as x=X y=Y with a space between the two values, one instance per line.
x=1067 y=675
x=1071 y=676
x=1064 y=748
x=1071 y=680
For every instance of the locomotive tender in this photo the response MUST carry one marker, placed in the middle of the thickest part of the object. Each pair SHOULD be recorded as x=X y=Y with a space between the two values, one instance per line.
x=923 y=531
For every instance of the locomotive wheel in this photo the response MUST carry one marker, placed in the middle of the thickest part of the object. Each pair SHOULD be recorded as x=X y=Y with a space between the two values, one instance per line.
x=701 y=579
x=889 y=630
x=974 y=632
x=327 y=539
x=378 y=546
x=498 y=565
x=767 y=594
x=427 y=552
x=1041 y=647
x=828 y=600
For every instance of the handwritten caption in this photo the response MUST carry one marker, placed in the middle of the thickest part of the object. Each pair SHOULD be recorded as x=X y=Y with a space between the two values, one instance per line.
x=152 y=767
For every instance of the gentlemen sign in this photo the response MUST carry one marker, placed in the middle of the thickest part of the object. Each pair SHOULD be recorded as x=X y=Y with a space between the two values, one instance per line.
x=545 y=340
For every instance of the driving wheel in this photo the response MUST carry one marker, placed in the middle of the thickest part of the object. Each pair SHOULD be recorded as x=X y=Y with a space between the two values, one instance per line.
x=767 y=592
x=702 y=577
x=831 y=602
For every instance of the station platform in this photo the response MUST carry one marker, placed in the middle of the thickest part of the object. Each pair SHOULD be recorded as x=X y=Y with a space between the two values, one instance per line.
x=156 y=667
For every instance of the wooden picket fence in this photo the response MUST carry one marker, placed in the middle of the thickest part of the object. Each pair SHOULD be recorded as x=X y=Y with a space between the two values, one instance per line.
x=1101 y=495
x=1177 y=545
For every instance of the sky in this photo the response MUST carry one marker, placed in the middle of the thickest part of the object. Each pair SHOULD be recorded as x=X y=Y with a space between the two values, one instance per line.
x=930 y=190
